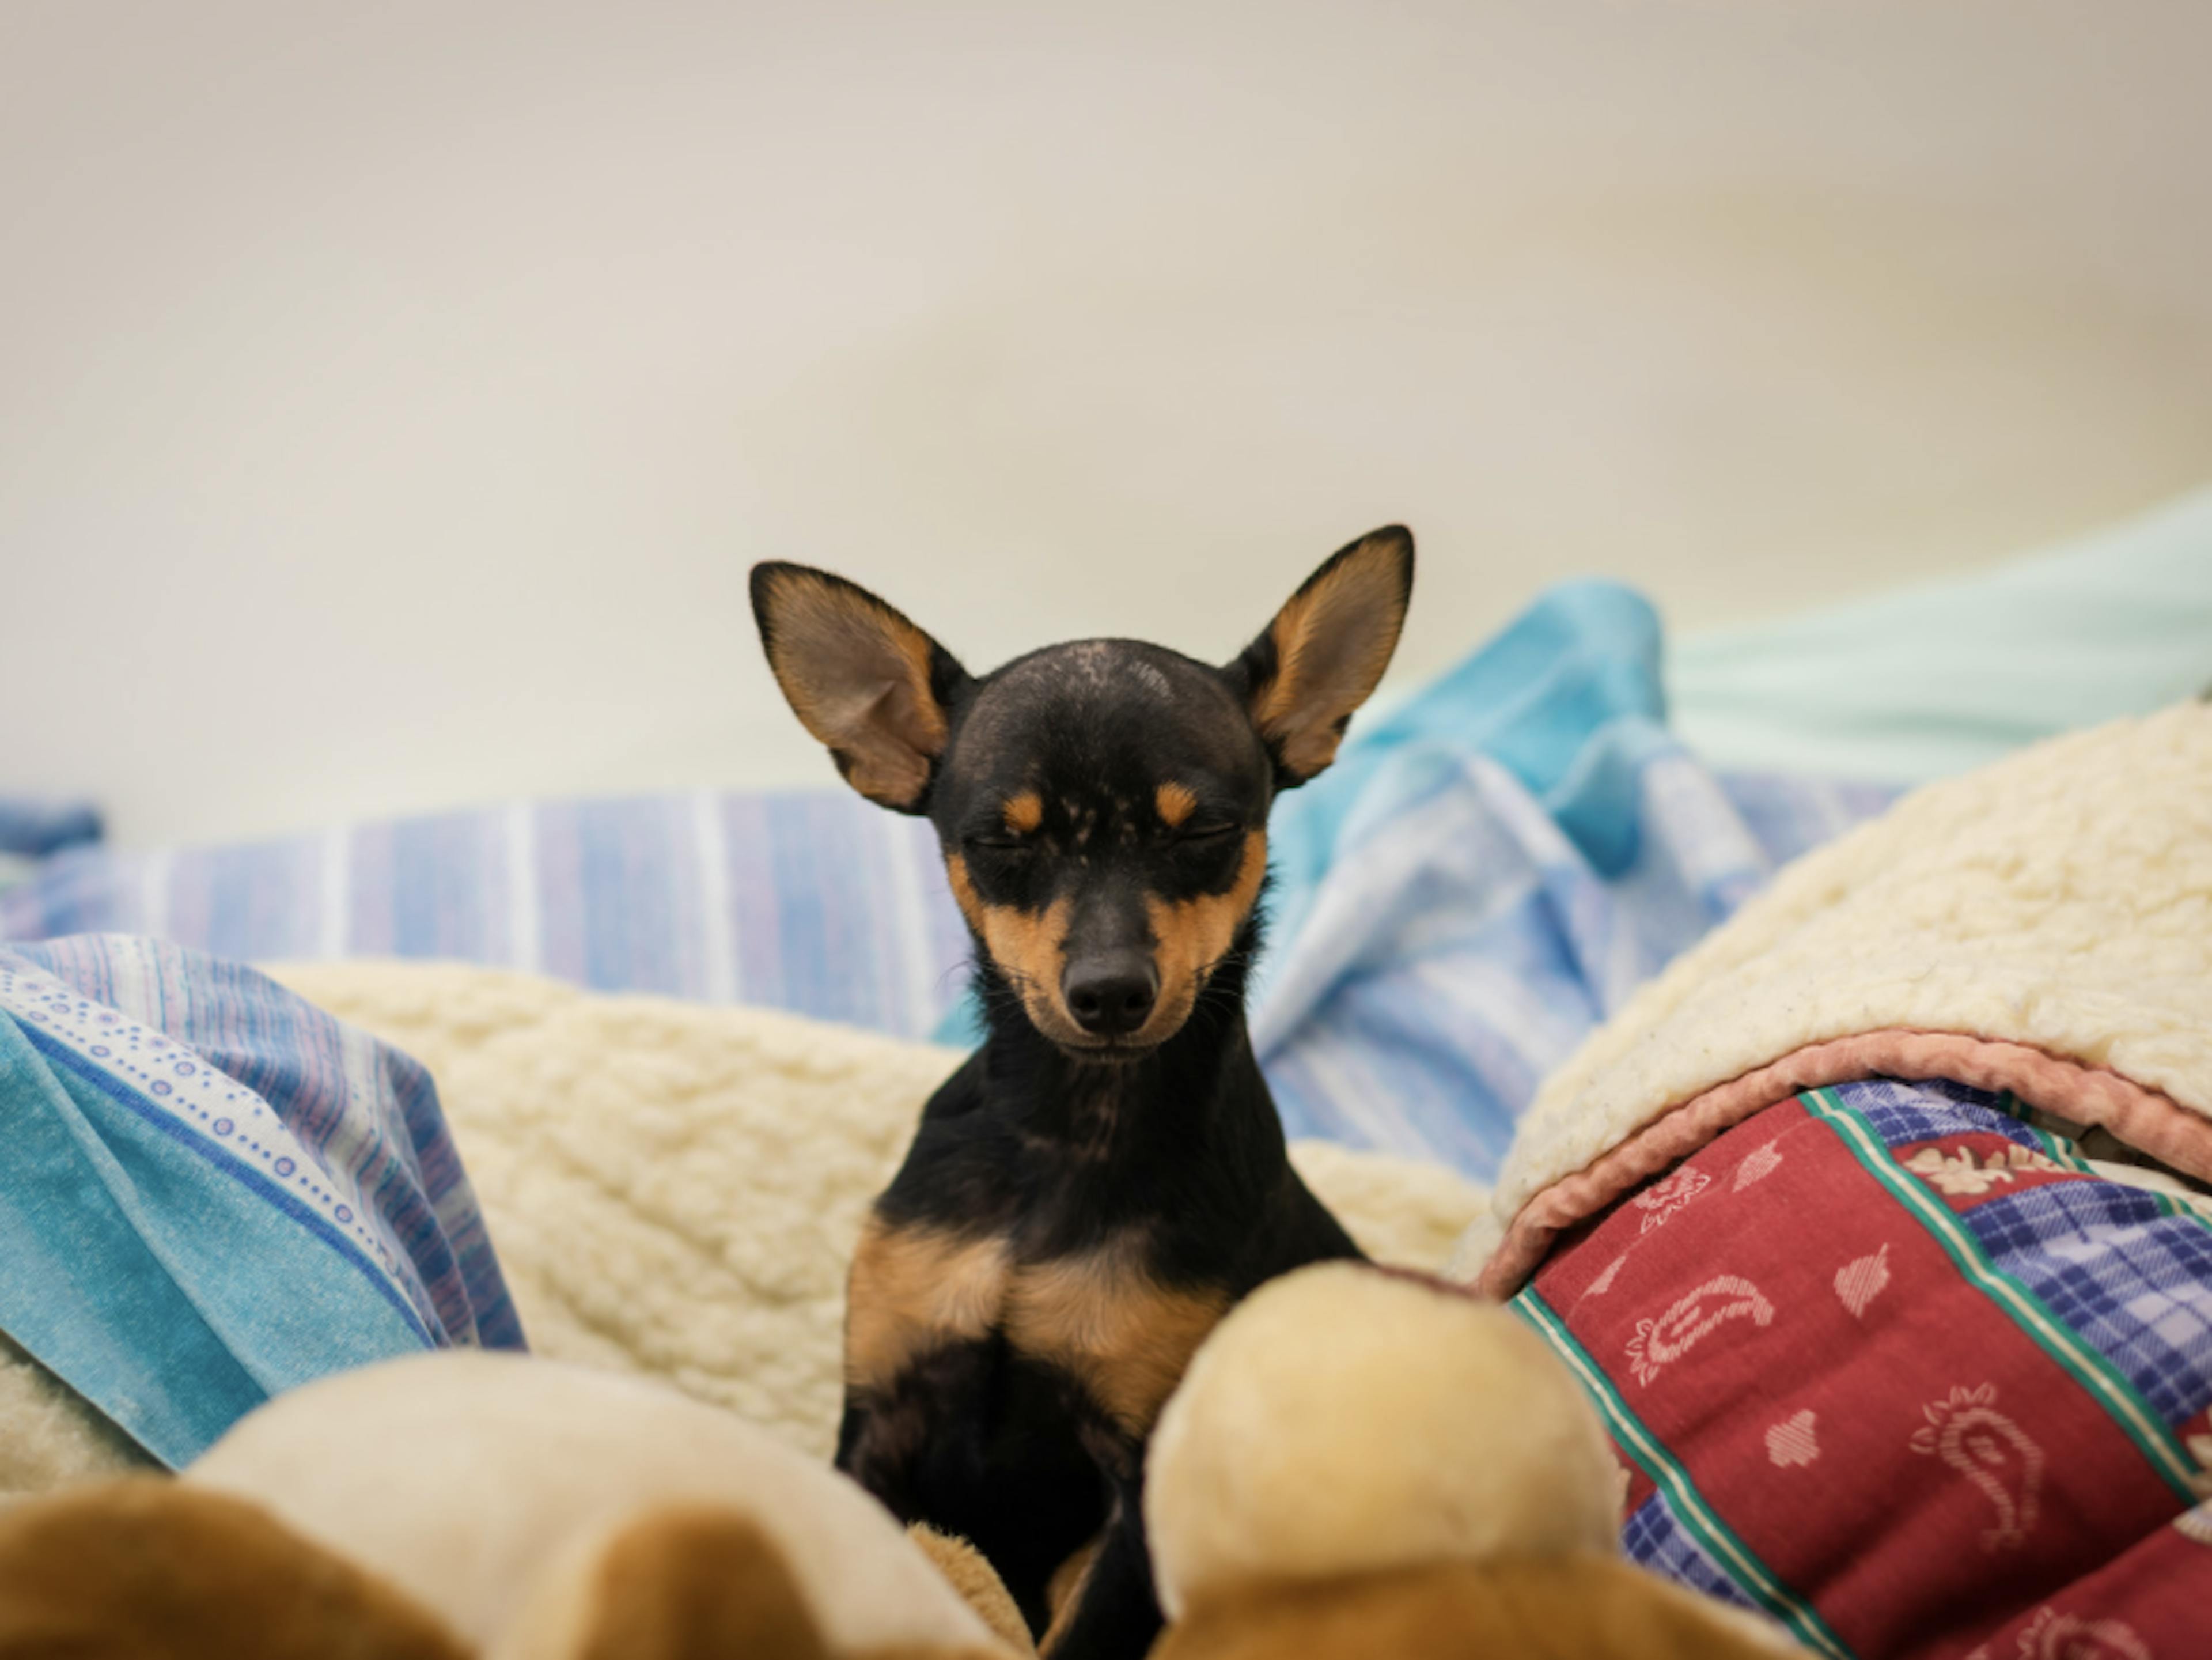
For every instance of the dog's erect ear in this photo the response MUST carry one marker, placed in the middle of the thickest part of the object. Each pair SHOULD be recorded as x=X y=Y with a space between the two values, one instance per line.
x=871 y=686
x=1326 y=651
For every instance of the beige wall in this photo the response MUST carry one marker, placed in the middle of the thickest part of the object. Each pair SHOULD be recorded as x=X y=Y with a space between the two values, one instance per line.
x=393 y=397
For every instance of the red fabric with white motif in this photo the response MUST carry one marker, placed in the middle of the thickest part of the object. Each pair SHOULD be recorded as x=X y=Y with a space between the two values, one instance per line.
x=1843 y=1391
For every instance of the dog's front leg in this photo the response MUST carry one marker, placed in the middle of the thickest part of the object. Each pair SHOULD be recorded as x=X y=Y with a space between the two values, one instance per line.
x=911 y=1438
x=878 y=1445
x=919 y=1302
x=982 y=1449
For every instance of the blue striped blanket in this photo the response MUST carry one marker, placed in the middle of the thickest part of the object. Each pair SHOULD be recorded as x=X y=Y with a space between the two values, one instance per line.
x=214 y=1192
x=1487 y=871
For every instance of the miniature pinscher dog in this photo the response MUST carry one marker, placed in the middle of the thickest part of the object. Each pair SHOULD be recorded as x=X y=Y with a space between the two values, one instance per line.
x=1094 y=1187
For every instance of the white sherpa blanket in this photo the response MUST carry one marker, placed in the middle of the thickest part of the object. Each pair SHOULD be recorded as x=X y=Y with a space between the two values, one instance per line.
x=2044 y=926
x=675 y=1188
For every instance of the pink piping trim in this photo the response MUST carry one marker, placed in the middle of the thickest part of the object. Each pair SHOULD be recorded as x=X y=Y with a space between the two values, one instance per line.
x=2145 y=1119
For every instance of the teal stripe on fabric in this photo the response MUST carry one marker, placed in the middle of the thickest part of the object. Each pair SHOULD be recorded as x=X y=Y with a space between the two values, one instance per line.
x=83 y=1294
x=2123 y=1403
x=170 y=1297
x=88 y=1084
x=2065 y=1153
x=1719 y=1542
x=2055 y=1148
x=2058 y=1149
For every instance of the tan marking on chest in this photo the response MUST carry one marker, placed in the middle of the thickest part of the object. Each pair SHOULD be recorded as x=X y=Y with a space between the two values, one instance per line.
x=1103 y=1319
x=1100 y=1317
x=912 y=1290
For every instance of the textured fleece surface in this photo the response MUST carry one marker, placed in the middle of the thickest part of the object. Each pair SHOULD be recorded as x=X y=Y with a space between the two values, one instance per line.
x=48 y=1438
x=675 y=1188
x=2060 y=900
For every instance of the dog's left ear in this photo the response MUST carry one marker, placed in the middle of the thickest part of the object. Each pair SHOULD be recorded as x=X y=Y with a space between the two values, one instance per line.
x=1326 y=650
x=869 y=684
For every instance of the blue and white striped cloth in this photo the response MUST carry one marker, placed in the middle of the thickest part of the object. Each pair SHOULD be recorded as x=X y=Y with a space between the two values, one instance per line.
x=214 y=1192
x=1487 y=872
x=1491 y=869
x=812 y=901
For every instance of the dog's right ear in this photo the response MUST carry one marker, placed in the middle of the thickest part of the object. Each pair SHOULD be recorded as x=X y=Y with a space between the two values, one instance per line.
x=870 y=685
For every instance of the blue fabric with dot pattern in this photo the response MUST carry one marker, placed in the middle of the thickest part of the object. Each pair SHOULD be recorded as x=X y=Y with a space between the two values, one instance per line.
x=212 y=1191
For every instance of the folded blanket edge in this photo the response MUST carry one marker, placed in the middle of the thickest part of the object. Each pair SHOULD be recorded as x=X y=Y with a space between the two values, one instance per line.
x=2043 y=932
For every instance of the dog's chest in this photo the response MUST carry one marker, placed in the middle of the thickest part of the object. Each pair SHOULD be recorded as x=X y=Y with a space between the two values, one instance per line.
x=1100 y=1316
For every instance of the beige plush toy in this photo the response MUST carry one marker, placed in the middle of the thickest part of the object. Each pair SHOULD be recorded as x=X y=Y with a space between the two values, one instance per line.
x=1359 y=1463
x=470 y=1505
x=1365 y=1464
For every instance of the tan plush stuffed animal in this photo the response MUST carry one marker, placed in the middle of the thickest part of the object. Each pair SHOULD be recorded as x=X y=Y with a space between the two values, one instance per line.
x=1365 y=1464
x=1359 y=1464
x=470 y=1505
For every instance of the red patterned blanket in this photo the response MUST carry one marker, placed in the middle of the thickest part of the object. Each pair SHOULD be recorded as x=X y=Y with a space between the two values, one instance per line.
x=1906 y=1373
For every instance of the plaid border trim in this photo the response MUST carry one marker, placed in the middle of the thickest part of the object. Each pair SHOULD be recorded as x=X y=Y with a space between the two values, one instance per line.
x=1653 y=1536
x=1899 y=1112
x=2130 y=1280
x=2137 y=1418
x=1752 y=1578
x=2063 y=1152
x=2056 y=1148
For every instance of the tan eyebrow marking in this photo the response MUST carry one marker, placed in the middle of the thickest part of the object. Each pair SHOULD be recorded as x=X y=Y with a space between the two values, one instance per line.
x=1024 y=812
x=1174 y=803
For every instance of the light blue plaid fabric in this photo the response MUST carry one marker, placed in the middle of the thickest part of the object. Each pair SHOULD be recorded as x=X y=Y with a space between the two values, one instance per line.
x=1490 y=870
x=215 y=1192
x=813 y=901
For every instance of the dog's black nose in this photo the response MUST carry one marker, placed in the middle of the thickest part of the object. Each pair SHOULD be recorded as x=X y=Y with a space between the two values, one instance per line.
x=1110 y=994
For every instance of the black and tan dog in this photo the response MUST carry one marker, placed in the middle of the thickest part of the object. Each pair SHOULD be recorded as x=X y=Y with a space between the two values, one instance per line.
x=1095 y=1187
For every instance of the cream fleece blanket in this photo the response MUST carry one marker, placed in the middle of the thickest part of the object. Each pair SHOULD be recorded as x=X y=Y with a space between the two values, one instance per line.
x=674 y=1189
x=2043 y=925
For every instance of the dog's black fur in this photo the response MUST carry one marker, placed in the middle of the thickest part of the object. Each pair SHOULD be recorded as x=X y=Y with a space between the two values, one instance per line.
x=1107 y=1174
